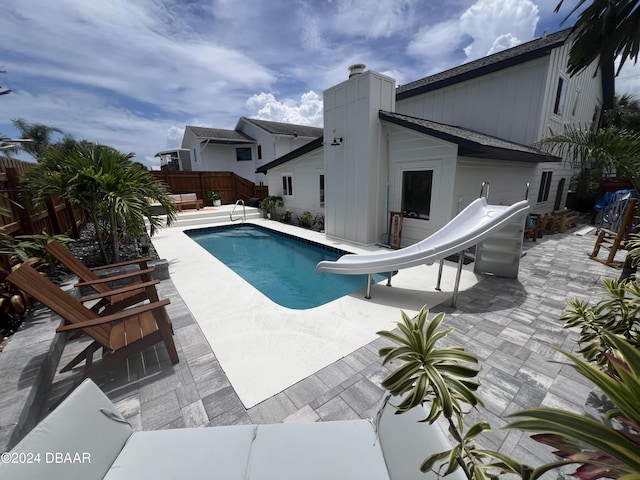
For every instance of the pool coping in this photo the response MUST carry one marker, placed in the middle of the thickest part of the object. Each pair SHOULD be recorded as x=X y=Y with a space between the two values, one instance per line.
x=272 y=335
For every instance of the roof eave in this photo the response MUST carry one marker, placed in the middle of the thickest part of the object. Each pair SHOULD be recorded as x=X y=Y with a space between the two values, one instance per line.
x=298 y=152
x=469 y=148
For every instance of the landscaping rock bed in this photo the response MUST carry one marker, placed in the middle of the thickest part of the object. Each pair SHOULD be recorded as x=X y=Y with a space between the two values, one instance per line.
x=86 y=248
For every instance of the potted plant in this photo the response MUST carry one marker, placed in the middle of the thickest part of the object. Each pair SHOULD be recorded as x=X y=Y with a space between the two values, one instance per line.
x=269 y=204
x=443 y=378
x=216 y=198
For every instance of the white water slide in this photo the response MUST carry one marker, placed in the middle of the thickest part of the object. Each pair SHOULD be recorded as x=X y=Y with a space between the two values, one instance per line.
x=472 y=225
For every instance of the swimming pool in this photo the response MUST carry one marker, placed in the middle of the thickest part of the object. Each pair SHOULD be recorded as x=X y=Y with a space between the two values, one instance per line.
x=279 y=265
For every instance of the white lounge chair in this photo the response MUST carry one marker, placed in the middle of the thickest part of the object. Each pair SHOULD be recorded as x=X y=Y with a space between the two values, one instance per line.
x=86 y=438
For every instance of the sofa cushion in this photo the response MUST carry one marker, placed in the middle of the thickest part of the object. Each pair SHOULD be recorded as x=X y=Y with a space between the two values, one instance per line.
x=317 y=451
x=78 y=440
x=186 y=453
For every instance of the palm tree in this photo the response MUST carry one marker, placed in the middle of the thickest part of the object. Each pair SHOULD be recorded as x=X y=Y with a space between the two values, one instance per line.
x=624 y=115
x=605 y=29
x=596 y=152
x=39 y=134
x=107 y=184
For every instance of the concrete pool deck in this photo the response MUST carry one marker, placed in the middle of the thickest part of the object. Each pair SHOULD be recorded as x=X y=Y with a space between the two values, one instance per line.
x=511 y=325
x=252 y=336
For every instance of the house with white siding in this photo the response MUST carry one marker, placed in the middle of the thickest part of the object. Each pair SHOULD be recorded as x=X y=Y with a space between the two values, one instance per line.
x=252 y=144
x=425 y=148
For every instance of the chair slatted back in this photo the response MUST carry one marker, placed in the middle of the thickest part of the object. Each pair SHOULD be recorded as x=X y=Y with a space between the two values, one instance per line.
x=78 y=268
x=43 y=290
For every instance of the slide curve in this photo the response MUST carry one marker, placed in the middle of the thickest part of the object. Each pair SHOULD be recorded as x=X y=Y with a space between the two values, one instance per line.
x=472 y=225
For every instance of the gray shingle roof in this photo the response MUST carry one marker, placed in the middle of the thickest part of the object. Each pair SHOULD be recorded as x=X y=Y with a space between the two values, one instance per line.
x=470 y=143
x=220 y=135
x=482 y=66
x=279 y=128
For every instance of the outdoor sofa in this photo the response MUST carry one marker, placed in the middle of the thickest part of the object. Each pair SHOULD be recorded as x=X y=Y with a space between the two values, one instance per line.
x=186 y=199
x=86 y=438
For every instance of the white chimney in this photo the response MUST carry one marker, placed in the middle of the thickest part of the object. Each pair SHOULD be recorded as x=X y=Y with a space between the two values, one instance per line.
x=356 y=69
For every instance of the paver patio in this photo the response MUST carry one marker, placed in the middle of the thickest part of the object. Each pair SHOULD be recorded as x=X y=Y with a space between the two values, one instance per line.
x=511 y=325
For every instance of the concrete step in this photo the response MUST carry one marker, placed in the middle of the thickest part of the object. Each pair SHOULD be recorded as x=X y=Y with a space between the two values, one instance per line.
x=209 y=215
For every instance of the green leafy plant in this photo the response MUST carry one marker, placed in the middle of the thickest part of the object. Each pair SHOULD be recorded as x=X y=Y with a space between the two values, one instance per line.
x=305 y=220
x=318 y=221
x=617 y=313
x=268 y=205
x=213 y=196
x=286 y=217
x=443 y=378
x=108 y=184
x=609 y=450
x=25 y=247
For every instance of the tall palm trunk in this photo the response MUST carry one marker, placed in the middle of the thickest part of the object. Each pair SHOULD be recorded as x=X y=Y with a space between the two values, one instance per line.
x=114 y=236
x=98 y=234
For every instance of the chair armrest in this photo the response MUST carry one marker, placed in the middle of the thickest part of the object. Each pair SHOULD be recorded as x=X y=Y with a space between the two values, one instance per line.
x=122 y=315
x=122 y=264
x=117 y=291
x=123 y=276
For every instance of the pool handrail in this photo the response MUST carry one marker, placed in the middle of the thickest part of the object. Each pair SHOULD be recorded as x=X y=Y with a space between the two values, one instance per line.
x=244 y=212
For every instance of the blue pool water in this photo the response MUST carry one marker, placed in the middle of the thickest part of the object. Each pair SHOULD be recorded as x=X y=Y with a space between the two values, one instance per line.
x=279 y=265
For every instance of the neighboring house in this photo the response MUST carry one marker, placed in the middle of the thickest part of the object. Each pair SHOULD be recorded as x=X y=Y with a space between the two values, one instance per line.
x=252 y=144
x=177 y=160
x=426 y=147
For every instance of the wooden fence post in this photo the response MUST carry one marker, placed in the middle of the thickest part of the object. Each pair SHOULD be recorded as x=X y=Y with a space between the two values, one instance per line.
x=53 y=217
x=19 y=210
x=75 y=231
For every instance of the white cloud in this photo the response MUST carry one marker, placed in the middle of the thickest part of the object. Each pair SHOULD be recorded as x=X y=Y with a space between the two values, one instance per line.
x=132 y=74
x=485 y=27
x=628 y=81
x=306 y=111
x=382 y=18
x=488 y=20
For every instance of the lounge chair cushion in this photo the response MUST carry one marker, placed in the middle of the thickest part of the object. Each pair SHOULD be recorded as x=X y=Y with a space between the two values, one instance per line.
x=317 y=451
x=76 y=426
x=325 y=450
x=186 y=453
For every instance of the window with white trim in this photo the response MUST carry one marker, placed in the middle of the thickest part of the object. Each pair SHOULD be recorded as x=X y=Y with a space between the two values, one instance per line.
x=243 y=154
x=287 y=185
x=545 y=186
x=561 y=93
x=416 y=194
x=576 y=98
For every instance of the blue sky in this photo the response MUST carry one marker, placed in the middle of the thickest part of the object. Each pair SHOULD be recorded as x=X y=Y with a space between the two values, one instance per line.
x=132 y=74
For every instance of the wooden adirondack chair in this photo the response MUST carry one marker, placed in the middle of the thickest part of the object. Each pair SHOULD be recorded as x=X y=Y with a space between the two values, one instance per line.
x=120 y=334
x=110 y=302
x=614 y=241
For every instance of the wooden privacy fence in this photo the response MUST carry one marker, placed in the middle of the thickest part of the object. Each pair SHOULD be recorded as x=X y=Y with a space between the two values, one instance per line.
x=232 y=187
x=16 y=219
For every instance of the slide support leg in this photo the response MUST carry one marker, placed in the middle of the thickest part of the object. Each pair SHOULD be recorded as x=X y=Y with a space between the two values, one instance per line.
x=389 y=279
x=368 y=294
x=440 y=274
x=454 y=299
